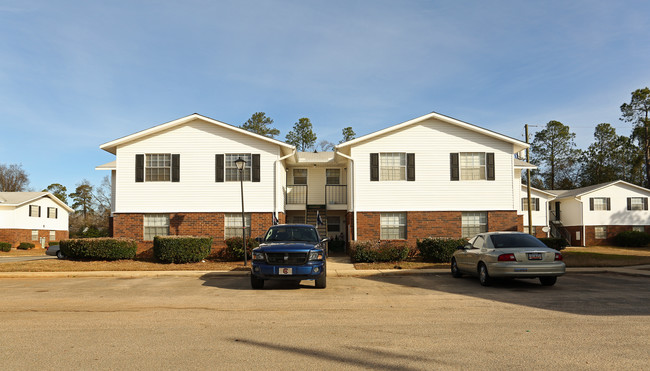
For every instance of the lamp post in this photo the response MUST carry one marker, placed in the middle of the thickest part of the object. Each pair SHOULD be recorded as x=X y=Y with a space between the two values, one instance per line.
x=240 y=167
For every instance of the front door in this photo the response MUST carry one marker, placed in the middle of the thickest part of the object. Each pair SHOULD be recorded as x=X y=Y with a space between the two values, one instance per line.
x=42 y=241
x=557 y=210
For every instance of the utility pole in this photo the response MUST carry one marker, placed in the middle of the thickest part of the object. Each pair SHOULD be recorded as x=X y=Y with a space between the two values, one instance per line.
x=530 y=211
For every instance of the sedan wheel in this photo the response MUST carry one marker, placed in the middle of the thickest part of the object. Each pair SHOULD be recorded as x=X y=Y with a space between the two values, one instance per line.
x=548 y=281
x=455 y=272
x=483 y=275
x=59 y=254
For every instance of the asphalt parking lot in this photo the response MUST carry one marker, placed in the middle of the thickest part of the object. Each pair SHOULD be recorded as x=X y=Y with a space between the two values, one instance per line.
x=586 y=321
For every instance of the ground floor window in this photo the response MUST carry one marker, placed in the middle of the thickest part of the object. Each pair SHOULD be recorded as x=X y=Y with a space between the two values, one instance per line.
x=600 y=232
x=52 y=235
x=638 y=228
x=155 y=225
x=333 y=224
x=233 y=225
x=473 y=223
x=526 y=230
x=393 y=226
x=34 y=235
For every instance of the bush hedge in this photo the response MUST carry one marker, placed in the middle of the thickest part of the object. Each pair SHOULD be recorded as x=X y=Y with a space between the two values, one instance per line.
x=373 y=251
x=555 y=243
x=181 y=249
x=26 y=246
x=336 y=245
x=99 y=248
x=439 y=250
x=632 y=239
x=234 y=249
x=5 y=246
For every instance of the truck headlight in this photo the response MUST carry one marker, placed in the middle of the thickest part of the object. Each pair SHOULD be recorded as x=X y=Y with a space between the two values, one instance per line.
x=315 y=255
x=258 y=255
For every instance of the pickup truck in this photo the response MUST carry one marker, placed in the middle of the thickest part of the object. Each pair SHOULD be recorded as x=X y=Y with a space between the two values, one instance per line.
x=290 y=252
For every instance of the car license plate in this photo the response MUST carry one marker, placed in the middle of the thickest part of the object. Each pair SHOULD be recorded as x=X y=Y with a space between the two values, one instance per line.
x=535 y=256
x=285 y=271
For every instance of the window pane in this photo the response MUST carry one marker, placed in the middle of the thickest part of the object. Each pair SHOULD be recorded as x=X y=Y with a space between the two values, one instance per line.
x=472 y=165
x=155 y=225
x=638 y=228
x=333 y=176
x=392 y=166
x=232 y=173
x=393 y=226
x=473 y=223
x=233 y=227
x=52 y=235
x=158 y=167
x=601 y=232
x=636 y=203
x=34 y=235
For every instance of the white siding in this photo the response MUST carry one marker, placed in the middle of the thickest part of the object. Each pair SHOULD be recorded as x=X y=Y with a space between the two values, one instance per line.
x=432 y=141
x=197 y=142
x=570 y=211
x=540 y=217
x=18 y=218
x=618 y=215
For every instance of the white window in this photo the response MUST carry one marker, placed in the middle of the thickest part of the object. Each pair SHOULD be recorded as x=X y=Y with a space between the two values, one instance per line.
x=232 y=173
x=51 y=212
x=601 y=232
x=472 y=165
x=158 y=167
x=473 y=223
x=155 y=225
x=299 y=176
x=526 y=229
x=600 y=203
x=333 y=224
x=534 y=202
x=34 y=235
x=638 y=228
x=52 y=235
x=392 y=166
x=393 y=226
x=233 y=227
x=636 y=203
x=34 y=210
x=332 y=176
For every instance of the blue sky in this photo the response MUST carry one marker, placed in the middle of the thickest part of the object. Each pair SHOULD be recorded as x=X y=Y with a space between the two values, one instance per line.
x=76 y=74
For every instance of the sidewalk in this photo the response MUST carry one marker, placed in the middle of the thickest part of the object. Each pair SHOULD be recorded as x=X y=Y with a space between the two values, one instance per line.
x=337 y=266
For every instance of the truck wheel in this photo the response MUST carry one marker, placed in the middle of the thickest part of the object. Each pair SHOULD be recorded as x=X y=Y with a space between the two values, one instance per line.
x=257 y=283
x=321 y=282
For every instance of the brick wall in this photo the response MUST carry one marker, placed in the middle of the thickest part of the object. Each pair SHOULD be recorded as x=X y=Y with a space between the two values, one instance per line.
x=590 y=234
x=422 y=224
x=188 y=224
x=16 y=236
x=572 y=232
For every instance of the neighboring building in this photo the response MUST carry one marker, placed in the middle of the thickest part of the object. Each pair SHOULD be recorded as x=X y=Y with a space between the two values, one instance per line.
x=430 y=176
x=36 y=217
x=539 y=209
x=594 y=215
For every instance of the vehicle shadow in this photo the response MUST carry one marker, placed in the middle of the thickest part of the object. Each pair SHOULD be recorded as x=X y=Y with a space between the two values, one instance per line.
x=585 y=294
x=244 y=283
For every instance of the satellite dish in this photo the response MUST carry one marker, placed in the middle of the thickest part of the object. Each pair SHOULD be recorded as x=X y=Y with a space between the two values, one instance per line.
x=546 y=229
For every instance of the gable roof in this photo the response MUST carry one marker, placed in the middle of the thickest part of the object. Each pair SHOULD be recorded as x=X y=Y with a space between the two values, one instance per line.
x=561 y=193
x=518 y=145
x=112 y=145
x=533 y=189
x=20 y=198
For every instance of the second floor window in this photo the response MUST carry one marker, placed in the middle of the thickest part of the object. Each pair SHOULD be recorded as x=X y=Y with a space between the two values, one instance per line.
x=34 y=210
x=534 y=202
x=51 y=212
x=158 y=167
x=332 y=176
x=392 y=166
x=637 y=203
x=232 y=173
x=299 y=176
x=599 y=203
x=472 y=165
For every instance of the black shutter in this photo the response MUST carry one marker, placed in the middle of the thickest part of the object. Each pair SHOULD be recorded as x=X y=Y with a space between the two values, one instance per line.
x=56 y=213
x=536 y=204
x=30 y=210
x=629 y=203
x=256 y=168
x=410 y=167
x=609 y=205
x=645 y=203
x=176 y=168
x=139 y=168
x=453 y=166
x=489 y=162
x=39 y=211
x=374 y=167
x=591 y=203
x=218 y=168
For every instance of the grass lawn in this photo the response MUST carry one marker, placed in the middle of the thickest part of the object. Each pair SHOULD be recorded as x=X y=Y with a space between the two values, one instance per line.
x=65 y=265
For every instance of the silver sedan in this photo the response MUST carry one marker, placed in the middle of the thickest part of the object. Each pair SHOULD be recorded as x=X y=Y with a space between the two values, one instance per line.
x=507 y=255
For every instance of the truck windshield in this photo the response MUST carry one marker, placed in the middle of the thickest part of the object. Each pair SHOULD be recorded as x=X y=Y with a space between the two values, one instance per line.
x=291 y=233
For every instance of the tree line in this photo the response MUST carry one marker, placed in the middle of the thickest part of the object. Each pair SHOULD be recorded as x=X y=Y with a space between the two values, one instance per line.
x=610 y=157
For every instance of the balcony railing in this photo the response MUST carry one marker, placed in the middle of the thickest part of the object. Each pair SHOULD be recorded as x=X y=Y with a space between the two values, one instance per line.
x=296 y=194
x=336 y=194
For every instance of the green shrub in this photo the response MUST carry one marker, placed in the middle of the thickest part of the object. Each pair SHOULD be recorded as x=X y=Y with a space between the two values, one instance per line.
x=26 y=246
x=555 y=243
x=99 y=248
x=370 y=251
x=181 y=249
x=5 y=246
x=439 y=250
x=234 y=249
x=632 y=239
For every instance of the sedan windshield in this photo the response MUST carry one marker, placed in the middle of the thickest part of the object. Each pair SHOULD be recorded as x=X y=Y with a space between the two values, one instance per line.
x=291 y=233
x=505 y=241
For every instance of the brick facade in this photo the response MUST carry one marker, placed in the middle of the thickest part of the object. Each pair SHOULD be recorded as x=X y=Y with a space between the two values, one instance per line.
x=16 y=236
x=422 y=224
x=188 y=224
x=590 y=234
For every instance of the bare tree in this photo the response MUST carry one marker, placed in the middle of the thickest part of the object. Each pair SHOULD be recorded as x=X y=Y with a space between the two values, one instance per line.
x=13 y=178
